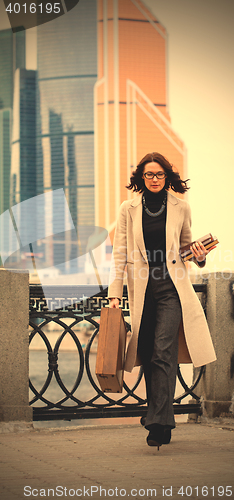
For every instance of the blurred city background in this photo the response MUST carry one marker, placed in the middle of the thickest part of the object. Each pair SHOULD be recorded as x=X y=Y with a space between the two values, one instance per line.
x=82 y=99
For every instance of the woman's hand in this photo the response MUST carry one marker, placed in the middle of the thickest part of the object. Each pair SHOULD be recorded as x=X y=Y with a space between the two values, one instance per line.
x=114 y=303
x=199 y=251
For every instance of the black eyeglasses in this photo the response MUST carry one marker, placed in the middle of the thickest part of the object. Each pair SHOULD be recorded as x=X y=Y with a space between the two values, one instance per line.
x=151 y=175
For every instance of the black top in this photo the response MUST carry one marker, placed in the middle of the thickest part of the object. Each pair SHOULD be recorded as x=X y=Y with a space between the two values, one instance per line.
x=154 y=228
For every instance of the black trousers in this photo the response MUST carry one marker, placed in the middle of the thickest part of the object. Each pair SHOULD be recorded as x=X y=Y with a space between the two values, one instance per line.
x=158 y=346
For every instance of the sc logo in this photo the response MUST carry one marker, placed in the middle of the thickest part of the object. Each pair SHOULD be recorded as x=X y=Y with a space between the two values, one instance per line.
x=24 y=14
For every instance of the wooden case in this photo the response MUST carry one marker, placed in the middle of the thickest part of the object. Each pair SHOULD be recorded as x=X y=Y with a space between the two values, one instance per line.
x=111 y=350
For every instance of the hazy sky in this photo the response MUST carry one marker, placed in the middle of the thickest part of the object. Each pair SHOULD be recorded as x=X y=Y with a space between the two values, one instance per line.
x=201 y=106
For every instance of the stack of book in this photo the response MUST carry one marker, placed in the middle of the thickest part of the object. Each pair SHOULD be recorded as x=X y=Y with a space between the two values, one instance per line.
x=208 y=241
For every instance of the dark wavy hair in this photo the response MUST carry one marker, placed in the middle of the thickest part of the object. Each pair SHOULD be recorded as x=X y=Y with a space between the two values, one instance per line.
x=173 y=179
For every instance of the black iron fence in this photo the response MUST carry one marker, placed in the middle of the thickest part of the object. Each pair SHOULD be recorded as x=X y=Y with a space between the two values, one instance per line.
x=64 y=326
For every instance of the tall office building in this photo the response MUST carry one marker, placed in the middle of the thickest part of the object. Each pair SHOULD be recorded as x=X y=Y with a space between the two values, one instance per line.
x=12 y=56
x=5 y=157
x=67 y=72
x=23 y=160
x=131 y=111
x=23 y=154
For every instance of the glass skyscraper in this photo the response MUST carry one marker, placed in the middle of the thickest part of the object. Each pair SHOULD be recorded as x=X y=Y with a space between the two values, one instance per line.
x=131 y=104
x=5 y=157
x=12 y=56
x=67 y=72
x=23 y=163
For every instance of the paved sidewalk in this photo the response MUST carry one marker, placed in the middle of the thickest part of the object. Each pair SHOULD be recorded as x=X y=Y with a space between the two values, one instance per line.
x=115 y=461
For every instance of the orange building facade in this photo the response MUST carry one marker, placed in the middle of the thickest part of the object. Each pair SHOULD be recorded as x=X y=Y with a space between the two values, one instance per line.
x=130 y=103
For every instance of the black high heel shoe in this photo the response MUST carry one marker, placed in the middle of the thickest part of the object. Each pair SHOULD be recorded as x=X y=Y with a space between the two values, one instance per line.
x=167 y=436
x=158 y=435
x=152 y=440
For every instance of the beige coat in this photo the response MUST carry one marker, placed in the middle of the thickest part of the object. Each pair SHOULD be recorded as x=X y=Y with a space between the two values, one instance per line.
x=129 y=248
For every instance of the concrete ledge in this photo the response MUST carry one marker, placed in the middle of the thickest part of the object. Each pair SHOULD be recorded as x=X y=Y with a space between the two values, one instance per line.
x=215 y=409
x=15 y=413
x=225 y=423
x=16 y=426
x=212 y=410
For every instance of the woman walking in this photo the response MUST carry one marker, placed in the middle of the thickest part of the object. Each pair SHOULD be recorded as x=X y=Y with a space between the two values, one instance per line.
x=150 y=230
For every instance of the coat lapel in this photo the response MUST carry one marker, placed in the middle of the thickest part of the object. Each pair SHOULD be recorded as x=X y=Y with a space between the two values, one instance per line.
x=173 y=209
x=135 y=210
x=136 y=215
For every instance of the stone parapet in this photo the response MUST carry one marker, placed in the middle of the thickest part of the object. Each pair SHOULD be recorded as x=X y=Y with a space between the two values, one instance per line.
x=14 y=352
x=217 y=384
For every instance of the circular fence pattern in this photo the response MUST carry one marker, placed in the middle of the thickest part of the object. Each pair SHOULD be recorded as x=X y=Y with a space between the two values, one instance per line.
x=100 y=403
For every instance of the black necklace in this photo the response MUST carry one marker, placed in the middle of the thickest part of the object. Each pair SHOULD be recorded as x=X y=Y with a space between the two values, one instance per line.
x=154 y=214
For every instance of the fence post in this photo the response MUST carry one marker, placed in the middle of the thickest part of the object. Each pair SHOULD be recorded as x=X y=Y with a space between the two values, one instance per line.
x=217 y=384
x=14 y=351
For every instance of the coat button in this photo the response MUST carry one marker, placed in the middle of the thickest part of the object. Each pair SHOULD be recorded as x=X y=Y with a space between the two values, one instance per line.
x=174 y=261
